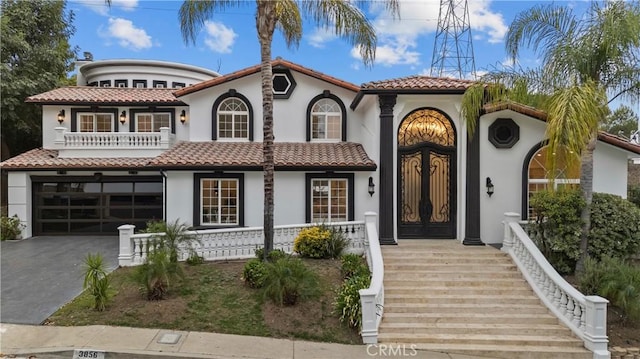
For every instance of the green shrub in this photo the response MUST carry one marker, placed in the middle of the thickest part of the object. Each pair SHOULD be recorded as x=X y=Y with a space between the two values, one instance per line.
x=254 y=273
x=557 y=227
x=97 y=281
x=615 y=227
x=288 y=280
x=633 y=195
x=353 y=265
x=10 y=227
x=274 y=255
x=616 y=280
x=347 y=303
x=156 y=273
x=175 y=235
x=320 y=242
x=194 y=259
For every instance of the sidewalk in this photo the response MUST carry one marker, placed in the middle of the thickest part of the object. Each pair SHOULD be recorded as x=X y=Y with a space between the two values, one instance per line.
x=122 y=342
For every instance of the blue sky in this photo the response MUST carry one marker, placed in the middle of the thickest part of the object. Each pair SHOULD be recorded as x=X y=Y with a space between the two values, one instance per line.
x=145 y=29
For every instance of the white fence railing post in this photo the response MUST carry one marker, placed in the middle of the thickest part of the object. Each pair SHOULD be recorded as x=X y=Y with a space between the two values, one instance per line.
x=596 y=327
x=372 y=298
x=164 y=137
x=125 y=257
x=507 y=240
x=59 y=140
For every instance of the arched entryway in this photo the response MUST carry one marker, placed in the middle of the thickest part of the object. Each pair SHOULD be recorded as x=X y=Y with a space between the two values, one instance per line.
x=426 y=175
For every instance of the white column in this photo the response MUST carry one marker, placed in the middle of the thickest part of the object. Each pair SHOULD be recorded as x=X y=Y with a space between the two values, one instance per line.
x=595 y=334
x=59 y=141
x=125 y=257
x=164 y=137
x=507 y=240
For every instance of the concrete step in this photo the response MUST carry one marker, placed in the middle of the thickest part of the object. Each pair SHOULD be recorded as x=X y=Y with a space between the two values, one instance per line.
x=482 y=339
x=462 y=267
x=475 y=328
x=456 y=282
x=452 y=274
x=469 y=318
x=399 y=259
x=391 y=299
x=508 y=351
x=464 y=308
x=394 y=288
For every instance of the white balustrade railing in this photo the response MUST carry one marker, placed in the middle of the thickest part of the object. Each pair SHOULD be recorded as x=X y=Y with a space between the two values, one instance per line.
x=586 y=316
x=372 y=298
x=106 y=140
x=231 y=243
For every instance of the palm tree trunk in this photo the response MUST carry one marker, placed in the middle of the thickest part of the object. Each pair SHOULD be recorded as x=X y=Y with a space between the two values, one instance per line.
x=586 y=185
x=266 y=23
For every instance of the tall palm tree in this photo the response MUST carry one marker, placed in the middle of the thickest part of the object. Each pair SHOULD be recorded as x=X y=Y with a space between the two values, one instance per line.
x=587 y=62
x=341 y=16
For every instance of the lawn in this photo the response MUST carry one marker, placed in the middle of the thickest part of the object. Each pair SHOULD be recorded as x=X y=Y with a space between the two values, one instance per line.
x=213 y=298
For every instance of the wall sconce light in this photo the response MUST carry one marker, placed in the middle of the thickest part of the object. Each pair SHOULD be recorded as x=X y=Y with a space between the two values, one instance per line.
x=183 y=116
x=123 y=117
x=489 y=186
x=61 y=117
x=372 y=187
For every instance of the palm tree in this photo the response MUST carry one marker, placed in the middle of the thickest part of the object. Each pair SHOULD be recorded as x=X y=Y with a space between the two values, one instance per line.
x=587 y=62
x=341 y=16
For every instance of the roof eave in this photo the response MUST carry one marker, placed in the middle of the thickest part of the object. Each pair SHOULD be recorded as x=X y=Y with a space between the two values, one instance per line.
x=411 y=91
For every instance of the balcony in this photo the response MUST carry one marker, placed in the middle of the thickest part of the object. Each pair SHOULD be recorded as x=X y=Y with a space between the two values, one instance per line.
x=145 y=144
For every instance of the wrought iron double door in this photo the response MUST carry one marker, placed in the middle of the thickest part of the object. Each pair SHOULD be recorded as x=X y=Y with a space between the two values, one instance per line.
x=426 y=192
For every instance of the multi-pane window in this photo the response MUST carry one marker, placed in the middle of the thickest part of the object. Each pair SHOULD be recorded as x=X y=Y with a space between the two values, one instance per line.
x=95 y=122
x=219 y=201
x=567 y=172
x=329 y=200
x=326 y=120
x=152 y=122
x=233 y=119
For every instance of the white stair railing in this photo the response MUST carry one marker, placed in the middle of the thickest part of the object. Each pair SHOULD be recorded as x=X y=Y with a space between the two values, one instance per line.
x=372 y=298
x=586 y=316
x=231 y=243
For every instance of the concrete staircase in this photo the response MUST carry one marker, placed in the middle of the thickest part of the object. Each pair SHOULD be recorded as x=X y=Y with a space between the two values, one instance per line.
x=443 y=296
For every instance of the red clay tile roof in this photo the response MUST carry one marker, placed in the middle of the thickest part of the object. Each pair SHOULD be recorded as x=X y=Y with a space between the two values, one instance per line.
x=42 y=159
x=255 y=69
x=336 y=156
x=106 y=95
x=542 y=116
x=418 y=82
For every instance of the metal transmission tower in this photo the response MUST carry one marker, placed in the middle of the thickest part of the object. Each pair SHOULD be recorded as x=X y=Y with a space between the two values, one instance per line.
x=453 y=49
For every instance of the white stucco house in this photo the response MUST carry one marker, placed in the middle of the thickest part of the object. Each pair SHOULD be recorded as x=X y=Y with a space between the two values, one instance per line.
x=139 y=140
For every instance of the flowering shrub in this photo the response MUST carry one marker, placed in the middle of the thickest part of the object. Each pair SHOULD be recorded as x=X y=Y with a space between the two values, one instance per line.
x=312 y=242
x=10 y=227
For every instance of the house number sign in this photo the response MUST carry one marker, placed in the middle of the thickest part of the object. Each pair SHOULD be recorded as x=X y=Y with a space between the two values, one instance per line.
x=88 y=354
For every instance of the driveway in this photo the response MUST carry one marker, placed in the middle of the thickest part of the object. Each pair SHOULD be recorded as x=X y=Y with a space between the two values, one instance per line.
x=40 y=274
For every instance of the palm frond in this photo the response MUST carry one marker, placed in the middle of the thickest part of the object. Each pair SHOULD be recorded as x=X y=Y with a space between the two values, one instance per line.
x=194 y=13
x=289 y=22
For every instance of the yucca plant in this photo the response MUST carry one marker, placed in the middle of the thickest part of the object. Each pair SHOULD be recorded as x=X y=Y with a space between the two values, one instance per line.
x=97 y=281
x=288 y=280
x=156 y=274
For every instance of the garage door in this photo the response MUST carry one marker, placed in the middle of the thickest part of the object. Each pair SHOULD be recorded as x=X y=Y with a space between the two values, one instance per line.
x=89 y=206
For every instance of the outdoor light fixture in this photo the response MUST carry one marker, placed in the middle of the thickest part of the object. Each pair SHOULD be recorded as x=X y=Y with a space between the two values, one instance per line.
x=183 y=116
x=372 y=187
x=61 y=117
x=123 y=117
x=489 y=186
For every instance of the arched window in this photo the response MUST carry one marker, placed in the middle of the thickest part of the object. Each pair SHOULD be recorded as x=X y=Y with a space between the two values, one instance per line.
x=326 y=118
x=233 y=119
x=567 y=173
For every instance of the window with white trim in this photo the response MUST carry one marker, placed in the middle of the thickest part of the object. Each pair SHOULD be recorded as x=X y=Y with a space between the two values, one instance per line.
x=329 y=200
x=567 y=173
x=326 y=120
x=233 y=119
x=152 y=122
x=219 y=200
x=95 y=122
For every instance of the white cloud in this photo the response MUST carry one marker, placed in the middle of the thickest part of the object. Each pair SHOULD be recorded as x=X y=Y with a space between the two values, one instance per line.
x=484 y=20
x=101 y=7
x=219 y=38
x=127 y=35
x=389 y=55
x=320 y=36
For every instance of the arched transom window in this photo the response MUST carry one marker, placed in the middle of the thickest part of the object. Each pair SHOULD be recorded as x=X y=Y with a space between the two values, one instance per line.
x=567 y=173
x=326 y=120
x=233 y=119
x=426 y=125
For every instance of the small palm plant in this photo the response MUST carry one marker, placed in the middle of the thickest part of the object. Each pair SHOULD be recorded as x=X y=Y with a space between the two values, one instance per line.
x=156 y=274
x=97 y=281
x=172 y=236
x=288 y=280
